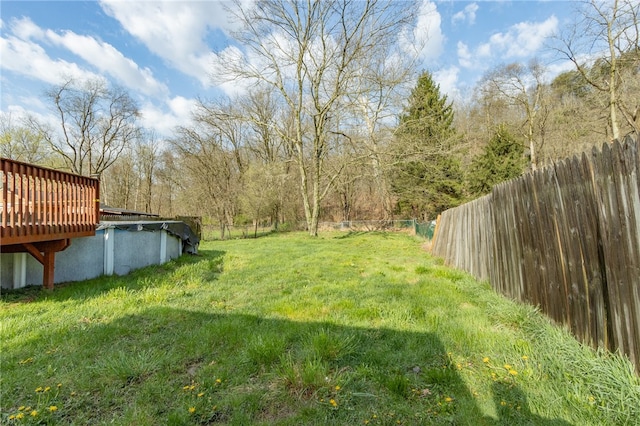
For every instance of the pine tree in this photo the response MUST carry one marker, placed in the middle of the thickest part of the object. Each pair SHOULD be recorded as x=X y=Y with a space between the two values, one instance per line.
x=428 y=117
x=502 y=159
x=426 y=178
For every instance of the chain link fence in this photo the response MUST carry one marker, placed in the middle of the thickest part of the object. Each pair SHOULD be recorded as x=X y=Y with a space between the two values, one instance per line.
x=426 y=229
x=422 y=229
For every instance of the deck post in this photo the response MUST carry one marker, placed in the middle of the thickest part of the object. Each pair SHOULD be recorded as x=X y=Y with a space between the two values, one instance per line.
x=49 y=268
x=45 y=253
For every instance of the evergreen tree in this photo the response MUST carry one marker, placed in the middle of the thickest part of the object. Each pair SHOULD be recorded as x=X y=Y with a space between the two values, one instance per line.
x=428 y=117
x=502 y=159
x=426 y=177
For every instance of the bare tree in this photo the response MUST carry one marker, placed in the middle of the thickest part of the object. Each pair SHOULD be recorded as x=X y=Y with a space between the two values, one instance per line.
x=20 y=142
x=313 y=53
x=168 y=182
x=606 y=34
x=374 y=111
x=211 y=161
x=522 y=87
x=269 y=153
x=119 y=183
x=224 y=118
x=96 y=124
x=147 y=152
x=260 y=108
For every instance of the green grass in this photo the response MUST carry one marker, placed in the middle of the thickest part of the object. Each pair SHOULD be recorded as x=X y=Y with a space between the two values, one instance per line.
x=344 y=329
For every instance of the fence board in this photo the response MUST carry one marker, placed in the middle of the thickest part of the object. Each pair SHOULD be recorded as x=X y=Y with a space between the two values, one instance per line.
x=565 y=238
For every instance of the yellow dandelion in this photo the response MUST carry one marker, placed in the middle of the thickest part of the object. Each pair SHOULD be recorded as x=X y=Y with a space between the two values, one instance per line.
x=513 y=372
x=47 y=389
x=39 y=389
x=448 y=399
x=366 y=422
x=192 y=387
x=34 y=413
x=507 y=367
x=200 y=394
x=375 y=416
x=73 y=393
x=53 y=408
x=333 y=402
x=12 y=417
x=185 y=387
x=192 y=410
x=503 y=403
x=20 y=416
x=21 y=408
x=485 y=359
x=338 y=388
x=218 y=380
x=59 y=385
x=524 y=357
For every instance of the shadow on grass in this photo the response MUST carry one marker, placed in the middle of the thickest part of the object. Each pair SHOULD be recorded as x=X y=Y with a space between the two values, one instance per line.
x=138 y=279
x=513 y=408
x=182 y=367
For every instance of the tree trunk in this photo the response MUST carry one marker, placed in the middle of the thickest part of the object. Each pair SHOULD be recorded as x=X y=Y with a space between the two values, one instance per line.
x=315 y=213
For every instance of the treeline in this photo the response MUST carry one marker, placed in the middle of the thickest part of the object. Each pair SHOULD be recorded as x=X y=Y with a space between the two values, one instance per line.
x=336 y=126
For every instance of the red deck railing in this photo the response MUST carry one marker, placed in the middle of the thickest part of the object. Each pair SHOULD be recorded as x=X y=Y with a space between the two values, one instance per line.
x=40 y=204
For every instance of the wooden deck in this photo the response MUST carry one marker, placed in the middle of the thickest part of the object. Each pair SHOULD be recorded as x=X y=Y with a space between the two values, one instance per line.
x=42 y=209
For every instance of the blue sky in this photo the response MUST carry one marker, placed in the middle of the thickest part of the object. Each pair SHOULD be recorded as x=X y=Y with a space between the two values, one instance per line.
x=162 y=51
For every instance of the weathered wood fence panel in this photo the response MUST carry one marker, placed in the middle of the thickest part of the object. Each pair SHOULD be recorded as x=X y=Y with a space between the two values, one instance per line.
x=565 y=238
x=463 y=240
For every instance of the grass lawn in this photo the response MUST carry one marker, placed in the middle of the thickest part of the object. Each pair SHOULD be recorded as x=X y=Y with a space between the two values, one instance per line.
x=343 y=329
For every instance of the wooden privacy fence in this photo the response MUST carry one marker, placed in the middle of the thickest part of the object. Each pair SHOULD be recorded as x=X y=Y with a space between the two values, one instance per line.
x=565 y=238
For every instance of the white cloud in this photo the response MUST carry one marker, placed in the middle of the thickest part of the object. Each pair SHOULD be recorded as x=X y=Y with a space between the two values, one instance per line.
x=557 y=68
x=448 y=81
x=30 y=59
x=25 y=29
x=464 y=55
x=175 y=31
x=165 y=118
x=220 y=77
x=24 y=53
x=33 y=103
x=428 y=31
x=520 y=41
x=468 y=14
x=33 y=108
x=110 y=61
